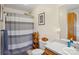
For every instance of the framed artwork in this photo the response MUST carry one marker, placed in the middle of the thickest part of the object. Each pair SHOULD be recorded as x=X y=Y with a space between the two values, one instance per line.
x=41 y=18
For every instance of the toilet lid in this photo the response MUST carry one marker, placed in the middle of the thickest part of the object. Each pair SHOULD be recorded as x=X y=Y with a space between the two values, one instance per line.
x=37 y=52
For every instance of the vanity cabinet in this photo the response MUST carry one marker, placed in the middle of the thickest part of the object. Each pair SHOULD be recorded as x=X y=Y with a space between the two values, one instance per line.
x=48 y=52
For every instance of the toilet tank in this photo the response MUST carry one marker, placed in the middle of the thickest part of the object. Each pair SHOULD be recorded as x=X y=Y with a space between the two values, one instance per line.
x=42 y=44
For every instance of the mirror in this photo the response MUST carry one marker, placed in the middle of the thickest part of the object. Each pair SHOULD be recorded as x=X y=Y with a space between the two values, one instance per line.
x=69 y=22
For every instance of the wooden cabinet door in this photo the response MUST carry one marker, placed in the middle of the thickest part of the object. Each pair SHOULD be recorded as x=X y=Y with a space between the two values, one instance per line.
x=48 y=52
x=71 y=25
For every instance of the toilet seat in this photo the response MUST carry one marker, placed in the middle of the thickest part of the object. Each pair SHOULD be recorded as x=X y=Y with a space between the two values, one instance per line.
x=37 y=51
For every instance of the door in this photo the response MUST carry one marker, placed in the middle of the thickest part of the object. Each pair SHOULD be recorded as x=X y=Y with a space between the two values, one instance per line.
x=71 y=25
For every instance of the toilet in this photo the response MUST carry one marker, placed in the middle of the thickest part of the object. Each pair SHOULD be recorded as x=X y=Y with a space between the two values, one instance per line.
x=38 y=51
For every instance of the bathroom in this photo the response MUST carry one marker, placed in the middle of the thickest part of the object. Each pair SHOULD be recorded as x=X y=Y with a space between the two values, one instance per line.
x=26 y=29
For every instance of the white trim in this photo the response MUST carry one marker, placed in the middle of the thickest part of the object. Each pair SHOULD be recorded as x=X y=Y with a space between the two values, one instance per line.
x=20 y=32
x=15 y=46
x=19 y=19
x=1 y=11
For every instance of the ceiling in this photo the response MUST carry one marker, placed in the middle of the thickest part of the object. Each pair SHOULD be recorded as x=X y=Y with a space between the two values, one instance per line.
x=25 y=7
x=30 y=7
x=70 y=6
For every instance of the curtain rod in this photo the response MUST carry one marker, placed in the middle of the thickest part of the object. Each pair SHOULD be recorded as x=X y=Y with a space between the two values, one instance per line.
x=25 y=14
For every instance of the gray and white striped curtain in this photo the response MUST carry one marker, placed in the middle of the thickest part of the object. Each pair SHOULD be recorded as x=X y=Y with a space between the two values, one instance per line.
x=20 y=28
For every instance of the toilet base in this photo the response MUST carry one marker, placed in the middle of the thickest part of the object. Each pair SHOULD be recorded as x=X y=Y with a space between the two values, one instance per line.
x=35 y=52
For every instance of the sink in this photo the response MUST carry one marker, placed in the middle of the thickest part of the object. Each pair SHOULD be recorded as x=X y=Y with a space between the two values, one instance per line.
x=70 y=51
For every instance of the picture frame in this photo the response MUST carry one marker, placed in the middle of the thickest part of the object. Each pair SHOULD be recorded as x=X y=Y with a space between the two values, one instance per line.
x=41 y=18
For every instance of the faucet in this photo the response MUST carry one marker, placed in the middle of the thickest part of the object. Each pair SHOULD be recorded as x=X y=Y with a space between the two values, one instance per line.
x=76 y=45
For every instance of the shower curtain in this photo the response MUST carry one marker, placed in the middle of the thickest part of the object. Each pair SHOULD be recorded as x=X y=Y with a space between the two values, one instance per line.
x=20 y=28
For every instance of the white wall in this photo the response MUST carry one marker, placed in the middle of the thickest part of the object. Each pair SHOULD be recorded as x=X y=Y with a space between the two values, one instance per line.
x=77 y=23
x=77 y=27
x=51 y=21
x=7 y=9
x=63 y=23
x=0 y=25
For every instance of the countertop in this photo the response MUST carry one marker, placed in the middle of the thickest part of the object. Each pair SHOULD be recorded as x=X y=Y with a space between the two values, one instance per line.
x=60 y=48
